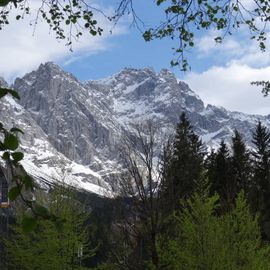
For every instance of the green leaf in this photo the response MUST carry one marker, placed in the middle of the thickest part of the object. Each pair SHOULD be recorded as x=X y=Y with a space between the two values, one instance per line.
x=17 y=156
x=11 y=142
x=28 y=182
x=14 y=193
x=3 y=92
x=29 y=224
x=147 y=35
x=16 y=130
x=41 y=211
x=2 y=147
x=159 y=2
x=6 y=156
x=4 y=2
x=14 y=93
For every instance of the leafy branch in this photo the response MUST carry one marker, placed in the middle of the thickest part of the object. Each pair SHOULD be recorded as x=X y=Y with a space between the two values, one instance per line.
x=265 y=86
x=22 y=183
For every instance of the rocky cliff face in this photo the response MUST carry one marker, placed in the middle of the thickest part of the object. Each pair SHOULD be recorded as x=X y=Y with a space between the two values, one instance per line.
x=67 y=112
x=72 y=130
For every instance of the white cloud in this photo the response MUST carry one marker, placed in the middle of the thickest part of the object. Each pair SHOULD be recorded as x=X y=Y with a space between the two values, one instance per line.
x=253 y=56
x=21 y=51
x=230 y=87
x=239 y=48
x=235 y=63
x=206 y=45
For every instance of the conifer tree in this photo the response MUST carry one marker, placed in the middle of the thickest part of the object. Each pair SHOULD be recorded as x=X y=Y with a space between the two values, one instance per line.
x=48 y=247
x=207 y=241
x=261 y=181
x=241 y=164
x=220 y=179
x=210 y=166
x=185 y=166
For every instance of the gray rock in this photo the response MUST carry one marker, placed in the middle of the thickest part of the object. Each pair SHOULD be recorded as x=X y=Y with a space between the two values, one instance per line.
x=73 y=129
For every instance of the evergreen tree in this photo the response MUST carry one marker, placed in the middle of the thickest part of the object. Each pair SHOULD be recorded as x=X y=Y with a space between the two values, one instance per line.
x=241 y=164
x=185 y=165
x=220 y=178
x=210 y=166
x=48 y=247
x=207 y=241
x=261 y=181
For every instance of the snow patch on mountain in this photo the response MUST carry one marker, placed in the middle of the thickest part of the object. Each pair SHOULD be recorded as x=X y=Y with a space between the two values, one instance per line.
x=73 y=130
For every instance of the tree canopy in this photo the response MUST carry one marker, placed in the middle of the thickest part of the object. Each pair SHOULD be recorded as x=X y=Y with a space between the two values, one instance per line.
x=183 y=20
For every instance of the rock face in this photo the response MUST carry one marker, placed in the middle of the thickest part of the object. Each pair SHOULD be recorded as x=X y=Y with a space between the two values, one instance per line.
x=67 y=112
x=3 y=83
x=72 y=129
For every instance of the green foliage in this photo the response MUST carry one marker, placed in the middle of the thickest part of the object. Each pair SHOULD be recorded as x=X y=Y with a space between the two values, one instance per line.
x=241 y=164
x=183 y=165
x=260 y=192
x=21 y=182
x=265 y=86
x=207 y=241
x=220 y=176
x=44 y=246
x=185 y=19
x=5 y=91
x=9 y=145
x=229 y=170
x=68 y=20
x=107 y=266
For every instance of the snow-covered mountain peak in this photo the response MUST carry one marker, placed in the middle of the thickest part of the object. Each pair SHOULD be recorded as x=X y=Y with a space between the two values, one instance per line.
x=73 y=130
x=167 y=76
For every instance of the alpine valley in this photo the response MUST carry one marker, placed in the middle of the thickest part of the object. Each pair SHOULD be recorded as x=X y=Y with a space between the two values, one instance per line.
x=72 y=130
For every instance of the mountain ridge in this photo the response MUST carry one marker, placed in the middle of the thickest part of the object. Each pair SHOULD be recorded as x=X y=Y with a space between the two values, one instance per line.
x=80 y=125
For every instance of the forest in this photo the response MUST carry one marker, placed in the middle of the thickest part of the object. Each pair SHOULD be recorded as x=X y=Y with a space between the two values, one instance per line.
x=190 y=208
x=179 y=205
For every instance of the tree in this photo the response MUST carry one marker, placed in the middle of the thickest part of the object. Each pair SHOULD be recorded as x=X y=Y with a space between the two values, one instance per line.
x=220 y=177
x=207 y=241
x=139 y=188
x=241 y=164
x=261 y=181
x=183 y=21
x=50 y=247
x=185 y=166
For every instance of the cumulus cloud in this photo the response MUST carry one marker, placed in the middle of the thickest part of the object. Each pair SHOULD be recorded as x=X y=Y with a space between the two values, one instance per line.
x=234 y=64
x=206 y=45
x=21 y=50
x=230 y=87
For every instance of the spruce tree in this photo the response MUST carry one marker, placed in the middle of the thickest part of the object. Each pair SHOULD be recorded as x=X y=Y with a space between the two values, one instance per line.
x=220 y=176
x=241 y=164
x=210 y=166
x=185 y=165
x=261 y=181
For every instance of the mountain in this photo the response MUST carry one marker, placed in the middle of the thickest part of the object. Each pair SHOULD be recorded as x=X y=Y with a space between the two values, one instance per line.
x=73 y=129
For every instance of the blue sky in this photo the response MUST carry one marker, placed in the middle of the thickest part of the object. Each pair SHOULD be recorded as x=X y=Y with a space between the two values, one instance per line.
x=128 y=49
x=220 y=74
x=131 y=50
